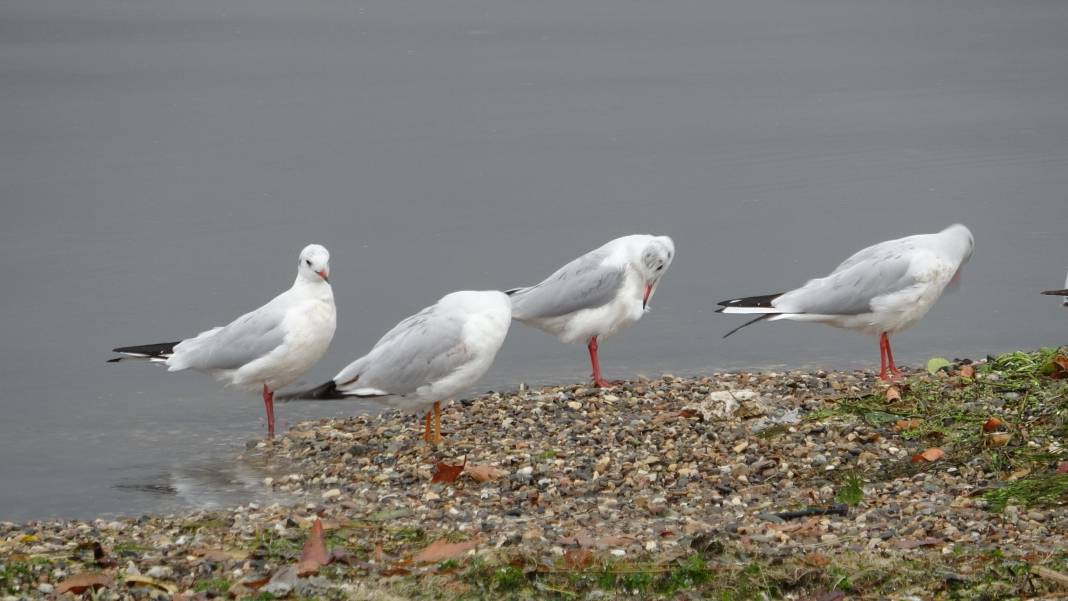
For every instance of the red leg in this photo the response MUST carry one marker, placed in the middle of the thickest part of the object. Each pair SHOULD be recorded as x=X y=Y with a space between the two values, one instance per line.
x=886 y=359
x=890 y=359
x=268 y=405
x=598 y=380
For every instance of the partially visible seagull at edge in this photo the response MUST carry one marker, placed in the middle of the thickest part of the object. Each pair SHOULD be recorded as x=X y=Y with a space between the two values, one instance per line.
x=1063 y=293
x=880 y=290
x=597 y=294
x=265 y=349
x=427 y=358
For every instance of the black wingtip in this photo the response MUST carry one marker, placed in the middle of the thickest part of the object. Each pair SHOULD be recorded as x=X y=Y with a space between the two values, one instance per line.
x=760 y=317
x=324 y=392
x=1056 y=292
x=512 y=291
x=115 y=360
x=763 y=301
x=148 y=350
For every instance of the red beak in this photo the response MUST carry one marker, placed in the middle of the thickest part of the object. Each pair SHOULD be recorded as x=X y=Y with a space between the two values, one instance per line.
x=323 y=274
x=648 y=293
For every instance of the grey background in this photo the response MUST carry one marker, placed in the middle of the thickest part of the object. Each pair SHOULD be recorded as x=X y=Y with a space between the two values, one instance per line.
x=164 y=161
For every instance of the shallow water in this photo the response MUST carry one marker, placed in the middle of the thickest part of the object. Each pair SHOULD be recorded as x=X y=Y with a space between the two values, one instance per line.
x=163 y=163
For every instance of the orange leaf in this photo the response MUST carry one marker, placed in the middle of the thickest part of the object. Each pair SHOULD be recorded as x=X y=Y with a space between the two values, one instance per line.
x=992 y=424
x=440 y=550
x=1060 y=368
x=443 y=472
x=577 y=559
x=79 y=583
x=485 y=473
x=967 y=371
x=256 y=584
x=931 y=454
x=893 y=394
x=906 y=424
x=816 y=559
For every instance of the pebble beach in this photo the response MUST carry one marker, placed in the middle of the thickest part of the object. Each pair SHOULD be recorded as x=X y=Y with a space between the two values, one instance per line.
x=798 y=485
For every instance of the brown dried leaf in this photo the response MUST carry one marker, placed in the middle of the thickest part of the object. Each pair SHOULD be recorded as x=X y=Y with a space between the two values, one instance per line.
x=992 y=424
x=485 y=473
x=931 y=454
x=893 y=394
x=139 y=580
x=79 y=583
x=817 y=560
x=906 y=424
x=254 y=584
x=443 y=472
x=967 y=371
x=314 y=554
x=998 y=439
x=441 y=550
x=396 y=571
x=1060 y=368
x=577 y=559
x=1062 y=467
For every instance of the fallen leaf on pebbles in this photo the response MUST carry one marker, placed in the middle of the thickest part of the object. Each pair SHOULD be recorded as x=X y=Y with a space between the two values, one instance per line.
x=314 y=554
x=992 y=424
x=931 y=454
x=79 y=583
x=906 y=424
x=441 y=550
x=445 y=473
x=139 y=580
x=485 y=473
x=893 y=394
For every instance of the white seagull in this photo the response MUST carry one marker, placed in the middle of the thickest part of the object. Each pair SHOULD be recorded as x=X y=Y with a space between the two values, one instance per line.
x=882 y=289
x=597 y=294
x=270 y=347
x=1063 y=293
x=427 y=358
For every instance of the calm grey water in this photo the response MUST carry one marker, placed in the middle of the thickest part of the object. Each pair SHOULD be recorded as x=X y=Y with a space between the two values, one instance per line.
x=163 y=162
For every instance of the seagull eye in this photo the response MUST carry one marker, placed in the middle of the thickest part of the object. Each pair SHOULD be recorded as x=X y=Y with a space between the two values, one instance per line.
x=307 y=262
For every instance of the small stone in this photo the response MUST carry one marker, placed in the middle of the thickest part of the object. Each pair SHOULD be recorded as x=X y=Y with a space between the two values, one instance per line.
x=45 y=588
x=333 y=493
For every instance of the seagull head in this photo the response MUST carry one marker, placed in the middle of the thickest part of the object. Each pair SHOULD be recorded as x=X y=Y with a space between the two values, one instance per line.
x=960 y=238
x=314 y=264
x=656 y=257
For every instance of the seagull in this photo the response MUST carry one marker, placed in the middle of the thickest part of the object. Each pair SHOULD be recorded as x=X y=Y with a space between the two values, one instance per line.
x=597 y=294
x=270 y=347
x=881 y=290
x=1063 y=293
x=429 y=357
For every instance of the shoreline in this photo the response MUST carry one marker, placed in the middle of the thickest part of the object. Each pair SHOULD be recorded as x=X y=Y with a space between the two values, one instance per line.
x=789 y=484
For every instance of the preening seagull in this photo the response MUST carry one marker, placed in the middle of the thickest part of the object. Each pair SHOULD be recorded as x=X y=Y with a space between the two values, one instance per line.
x=881 y=290
x=267 y=348
x=427 y=358
x=597 y=294
x=1063 y=293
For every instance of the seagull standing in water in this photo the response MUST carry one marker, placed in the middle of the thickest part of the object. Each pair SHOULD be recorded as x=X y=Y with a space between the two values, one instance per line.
x=427 y=358
x=597 y=294
x=880 y=290
x=265 y=349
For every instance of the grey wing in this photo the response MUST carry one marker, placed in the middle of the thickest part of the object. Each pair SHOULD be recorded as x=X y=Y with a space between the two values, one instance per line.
x=850 y=289
x=418 y=351
x=584 y=283
x=247 y=338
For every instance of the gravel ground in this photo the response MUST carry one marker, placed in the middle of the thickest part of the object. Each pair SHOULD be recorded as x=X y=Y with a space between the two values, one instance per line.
x=952 y=484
